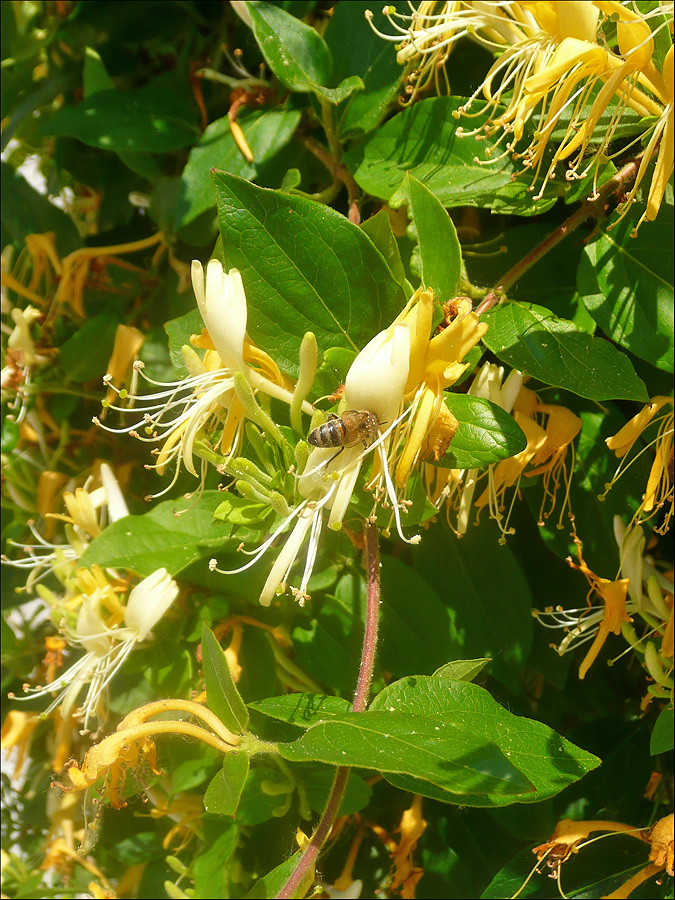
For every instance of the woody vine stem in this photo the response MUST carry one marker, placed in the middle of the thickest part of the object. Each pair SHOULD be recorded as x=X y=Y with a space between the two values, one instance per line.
x=361 y=694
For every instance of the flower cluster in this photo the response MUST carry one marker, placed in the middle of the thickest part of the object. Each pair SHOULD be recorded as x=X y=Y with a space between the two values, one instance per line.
x=562 y=80
x=641 y=591
x=550 y=431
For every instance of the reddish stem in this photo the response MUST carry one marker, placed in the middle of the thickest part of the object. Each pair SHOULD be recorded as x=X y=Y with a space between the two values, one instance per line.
x=311 y=852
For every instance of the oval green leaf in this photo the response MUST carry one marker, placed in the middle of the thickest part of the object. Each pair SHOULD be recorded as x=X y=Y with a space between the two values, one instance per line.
x=556 y=352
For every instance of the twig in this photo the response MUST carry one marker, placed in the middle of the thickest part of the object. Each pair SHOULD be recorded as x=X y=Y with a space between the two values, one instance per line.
x=592 y=207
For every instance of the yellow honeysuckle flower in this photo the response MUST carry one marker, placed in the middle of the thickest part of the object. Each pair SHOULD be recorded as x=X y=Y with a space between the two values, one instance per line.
x=639 y=590
x=554 y=63
x=659 y=492
x=435 y=365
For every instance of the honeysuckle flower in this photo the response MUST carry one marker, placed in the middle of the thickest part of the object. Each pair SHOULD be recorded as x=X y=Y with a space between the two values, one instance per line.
x=435 y=364
x=131 y=746
x=456 y=487
x=21 y=359
x=642 y=592
x=660 y=492
x=375 y=382
x=555 y=64
x=179 y=412
x=89 y=510
x=107 y=643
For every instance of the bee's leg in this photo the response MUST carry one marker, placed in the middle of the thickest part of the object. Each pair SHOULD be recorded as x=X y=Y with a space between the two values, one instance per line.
x=334 y=456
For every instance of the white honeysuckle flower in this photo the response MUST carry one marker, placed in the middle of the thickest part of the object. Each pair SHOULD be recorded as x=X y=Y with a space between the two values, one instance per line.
x=375 y=382
x=106 y=647
x=178 y=412
x=148 y=602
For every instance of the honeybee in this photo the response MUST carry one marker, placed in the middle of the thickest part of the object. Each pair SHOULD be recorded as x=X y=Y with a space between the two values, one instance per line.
x=352 y=427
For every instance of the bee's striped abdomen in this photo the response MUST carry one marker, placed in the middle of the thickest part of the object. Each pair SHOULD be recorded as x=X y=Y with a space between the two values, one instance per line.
x=331 y=434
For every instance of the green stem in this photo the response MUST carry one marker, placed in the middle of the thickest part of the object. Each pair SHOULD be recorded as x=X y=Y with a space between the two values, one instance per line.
x=311 y=852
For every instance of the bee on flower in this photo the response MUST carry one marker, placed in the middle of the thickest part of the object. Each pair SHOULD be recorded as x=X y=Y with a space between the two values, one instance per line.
x=398 y=379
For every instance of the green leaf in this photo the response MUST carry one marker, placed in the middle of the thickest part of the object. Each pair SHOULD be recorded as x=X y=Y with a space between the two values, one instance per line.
x=85 y=355
x=418 y=632
x=269 y=885
x=438 y=254
x=265 y=796
x=422 y=141
x=172 y=534
x=379 y=230
x=546 y=760
x=156 y=118
x=445 y=758
x=223 y=793
x=487 y=592
x=627 y=284
x=485 y=433
x=301 y=709
x=662 y=736
x=266 y=134
x=330 y=649
x=25 y=211
x=221 y=692
x=462 y=669
x=209 y=870
x=317 y=786
x=365 y=54
x=556 y=352
x=305 y=268
x=297 y=54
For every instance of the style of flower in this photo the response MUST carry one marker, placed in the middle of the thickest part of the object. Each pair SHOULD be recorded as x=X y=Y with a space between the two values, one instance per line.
x=107 y=642
x=554 y=65
x=211 y=397
x=660 y=492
